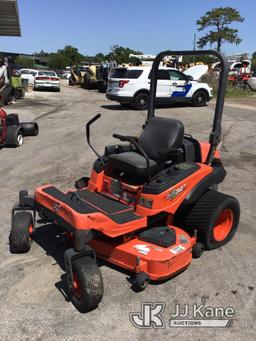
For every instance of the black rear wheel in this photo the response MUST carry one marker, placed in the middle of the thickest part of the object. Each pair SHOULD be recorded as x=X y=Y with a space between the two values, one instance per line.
x=19 y=139
x=141 y=101
x=215 y=217
x=15 y=138
x=20 y=238
x=199 y=99
x=87 y=287
x=87 y=81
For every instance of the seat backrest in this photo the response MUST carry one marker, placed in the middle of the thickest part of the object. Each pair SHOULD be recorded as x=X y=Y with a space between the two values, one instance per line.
x=159 y=134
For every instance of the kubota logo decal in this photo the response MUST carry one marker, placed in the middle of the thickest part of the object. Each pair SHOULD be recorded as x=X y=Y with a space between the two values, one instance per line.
x=173 y=194
x=56 y=206
x=142 y=248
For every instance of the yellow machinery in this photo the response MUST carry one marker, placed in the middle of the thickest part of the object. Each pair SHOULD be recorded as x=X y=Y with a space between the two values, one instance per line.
x=77 y=74
x=90 y=77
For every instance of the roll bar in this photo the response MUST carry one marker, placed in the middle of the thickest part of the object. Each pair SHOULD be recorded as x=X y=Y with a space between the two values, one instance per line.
x=215 y=134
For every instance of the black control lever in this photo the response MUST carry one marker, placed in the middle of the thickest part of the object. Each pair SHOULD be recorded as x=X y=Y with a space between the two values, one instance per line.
x=88 y=124
x=131 y=139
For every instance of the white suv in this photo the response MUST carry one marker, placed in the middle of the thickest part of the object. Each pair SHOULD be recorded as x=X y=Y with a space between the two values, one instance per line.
x=130 y=86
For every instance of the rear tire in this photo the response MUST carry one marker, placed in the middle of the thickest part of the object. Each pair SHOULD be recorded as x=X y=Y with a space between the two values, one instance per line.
x=87 y=81
x=215 y=217
x=30 y=128
x=87 y=290
x=141 y=101
x=199 y=99
x=20 y=236
x=19 y=139
x=14 y=136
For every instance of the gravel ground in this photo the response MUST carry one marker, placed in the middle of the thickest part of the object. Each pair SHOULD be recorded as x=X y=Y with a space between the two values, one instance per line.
x=33 y=303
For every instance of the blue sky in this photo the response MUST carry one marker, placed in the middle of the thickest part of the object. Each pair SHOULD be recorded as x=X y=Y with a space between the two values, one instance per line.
x=146 y=25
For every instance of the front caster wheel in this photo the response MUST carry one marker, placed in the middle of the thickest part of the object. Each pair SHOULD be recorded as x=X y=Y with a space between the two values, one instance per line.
x=141 y=281
x=197 y=250
x=87 y=287
x=20 y=238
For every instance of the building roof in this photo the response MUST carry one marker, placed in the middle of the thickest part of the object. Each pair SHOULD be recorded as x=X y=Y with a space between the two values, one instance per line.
x=9 y=18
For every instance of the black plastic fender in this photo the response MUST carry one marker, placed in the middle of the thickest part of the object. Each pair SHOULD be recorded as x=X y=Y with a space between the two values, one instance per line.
x=30 y=128
x=217 y=176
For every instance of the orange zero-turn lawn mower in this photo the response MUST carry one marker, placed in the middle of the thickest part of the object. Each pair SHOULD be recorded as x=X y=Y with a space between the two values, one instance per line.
x=149 y=205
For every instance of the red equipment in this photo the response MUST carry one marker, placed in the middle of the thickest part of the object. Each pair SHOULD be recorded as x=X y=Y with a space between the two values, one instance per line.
x=12 y=132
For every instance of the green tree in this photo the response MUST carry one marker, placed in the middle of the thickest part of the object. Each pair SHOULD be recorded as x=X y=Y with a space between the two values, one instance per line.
x=219 y=19
x=58 y=61
x=71 y=54
x=99 y=57
x=195 y=59
x=41 y=53
x=120 y=54
x=254 y=64
x=254 y=55
x=25 y=62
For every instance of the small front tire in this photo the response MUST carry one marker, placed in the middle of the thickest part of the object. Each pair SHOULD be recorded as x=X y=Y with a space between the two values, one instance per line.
x=20 y=238
x=141 y=281
x=87 y=287
x=197 y=250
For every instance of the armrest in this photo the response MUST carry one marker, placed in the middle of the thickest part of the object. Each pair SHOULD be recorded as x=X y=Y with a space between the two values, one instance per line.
x=172 y=152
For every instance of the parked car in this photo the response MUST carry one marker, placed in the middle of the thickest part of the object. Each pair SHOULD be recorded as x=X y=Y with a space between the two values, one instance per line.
x=46 y=80
x=28 y=74
x=130 y=86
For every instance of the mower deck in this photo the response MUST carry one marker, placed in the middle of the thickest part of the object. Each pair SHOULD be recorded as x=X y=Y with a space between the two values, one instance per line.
x=137 y=255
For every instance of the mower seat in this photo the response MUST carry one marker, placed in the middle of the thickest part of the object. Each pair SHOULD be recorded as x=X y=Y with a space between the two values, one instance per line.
x=159 y=140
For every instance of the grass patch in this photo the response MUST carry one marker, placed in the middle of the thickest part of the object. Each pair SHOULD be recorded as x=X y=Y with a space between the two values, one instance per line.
x=236 y=92
x=232 y=92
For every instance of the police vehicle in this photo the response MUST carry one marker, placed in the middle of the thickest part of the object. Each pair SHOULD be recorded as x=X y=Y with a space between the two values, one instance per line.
x=130 y=86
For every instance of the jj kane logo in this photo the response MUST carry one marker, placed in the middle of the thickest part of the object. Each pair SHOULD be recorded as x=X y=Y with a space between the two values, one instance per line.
x=196 y=315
